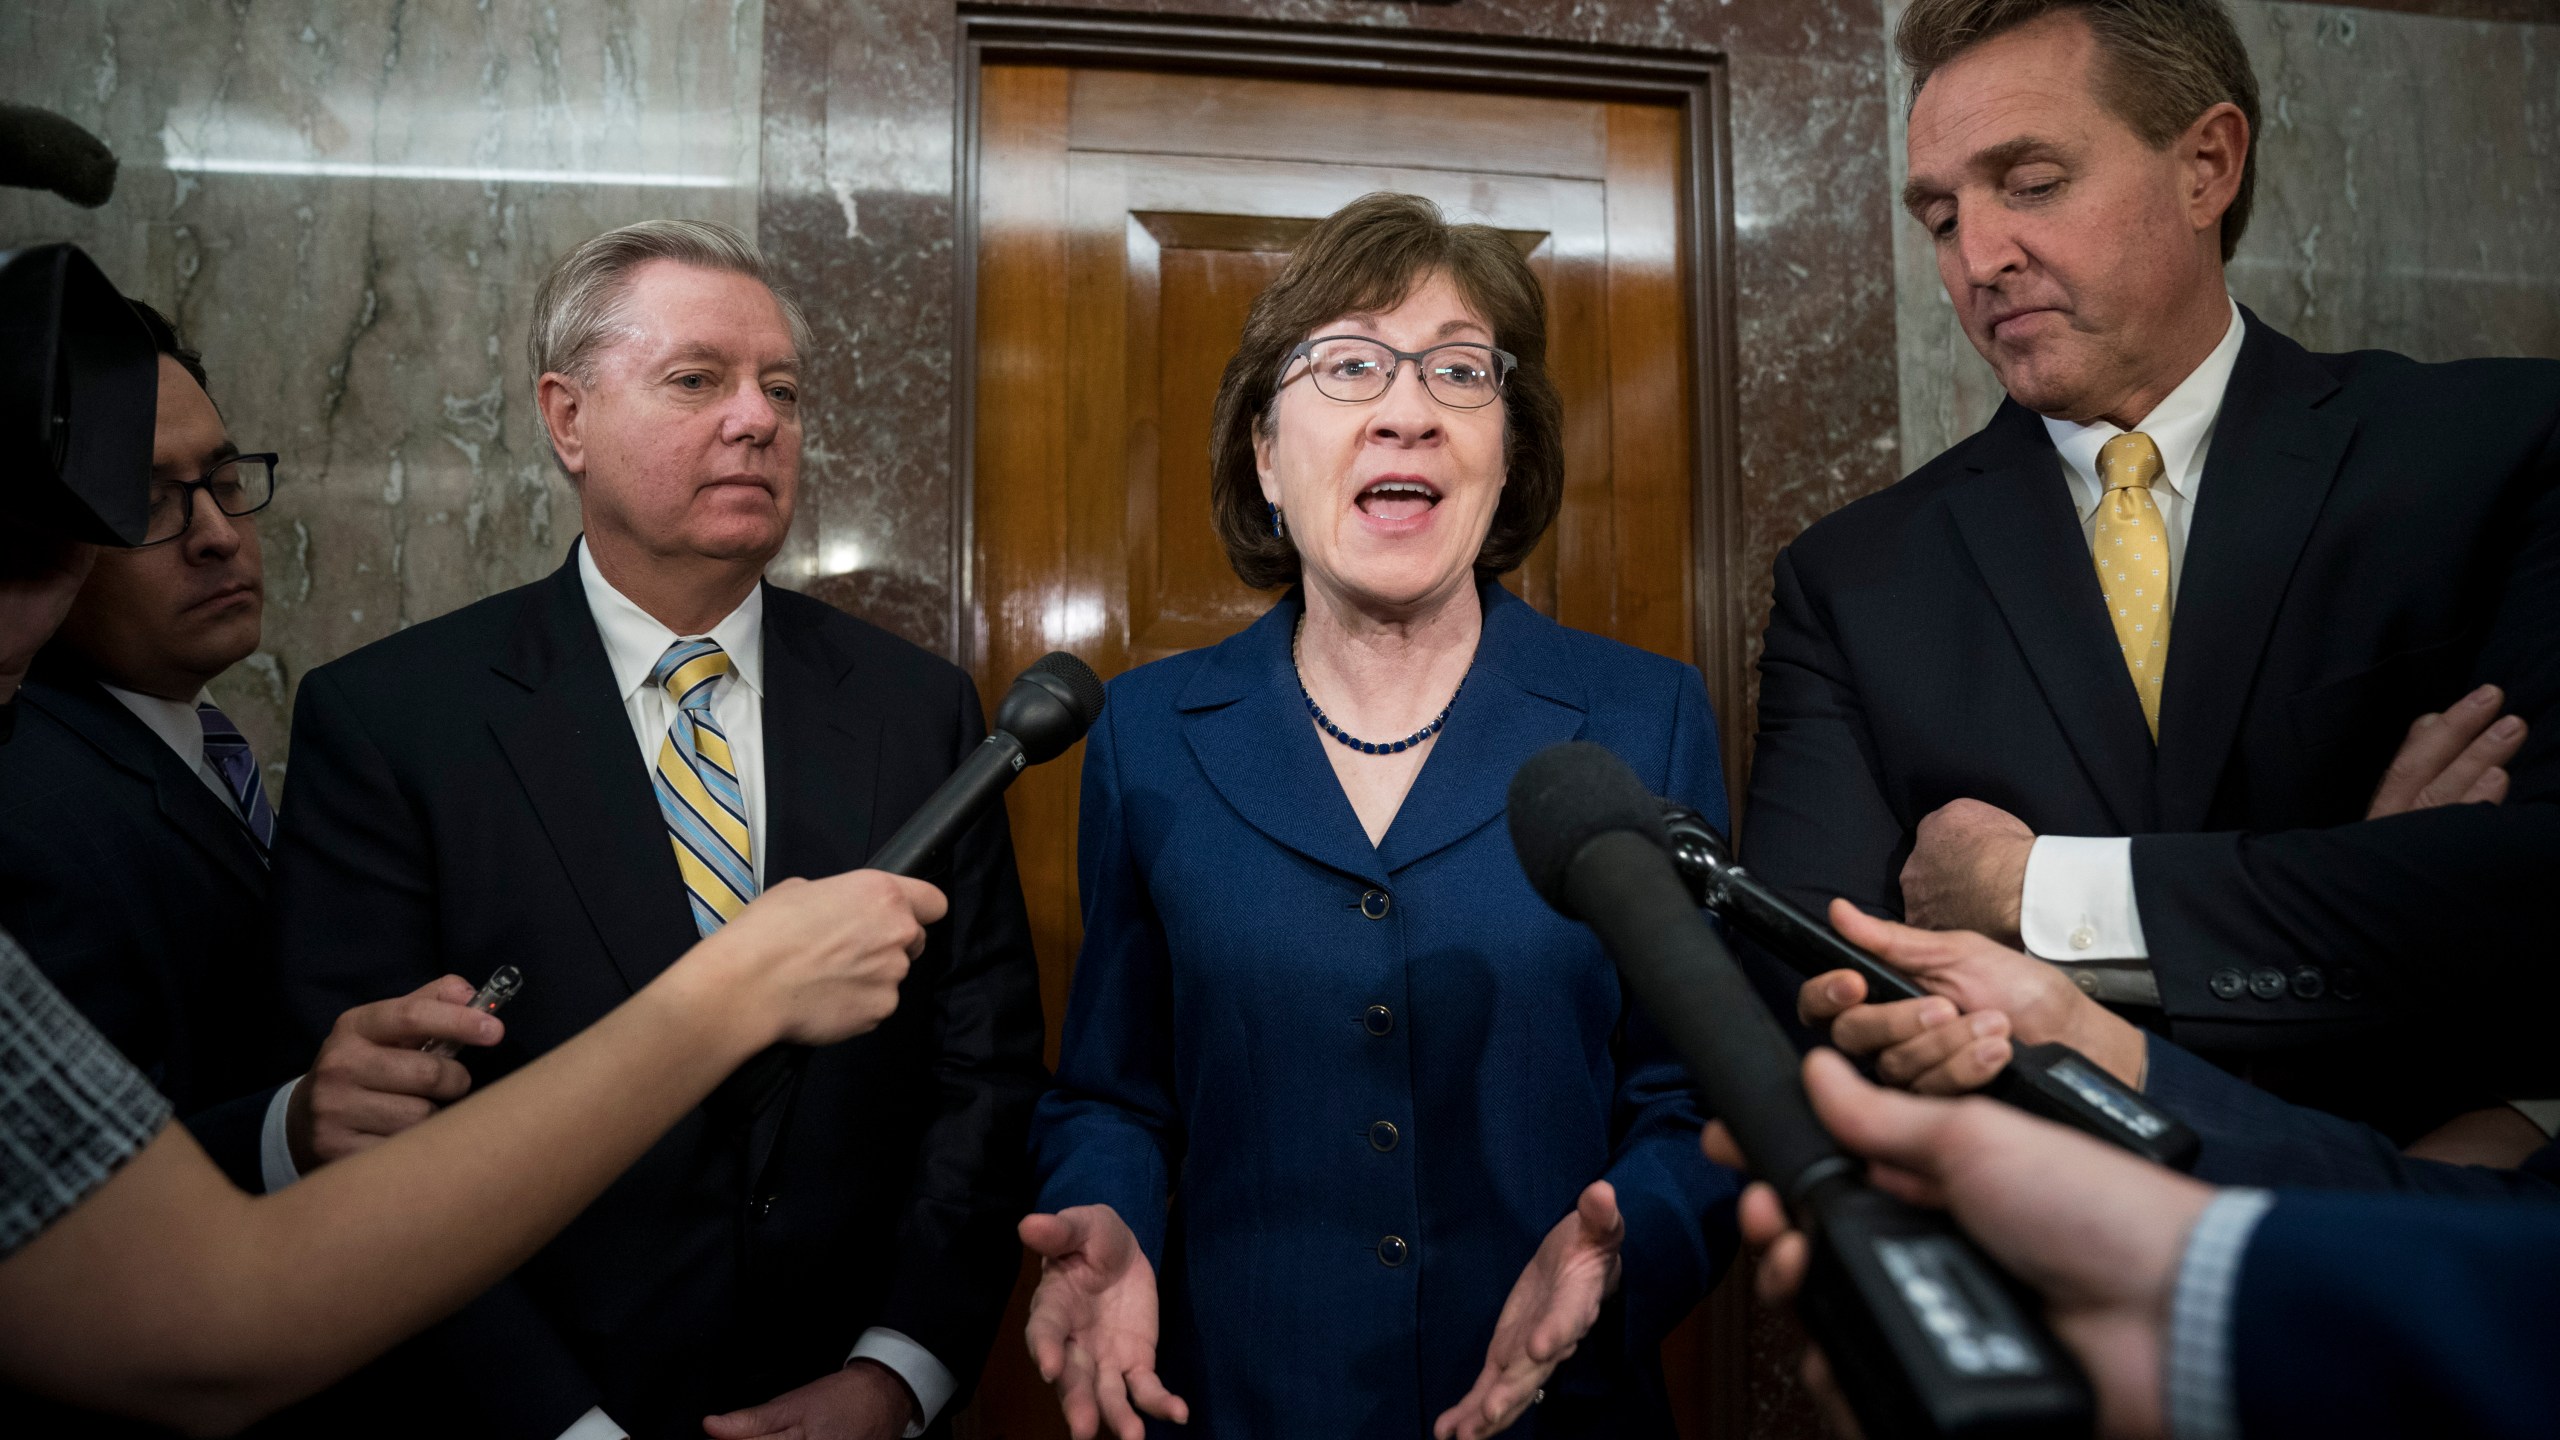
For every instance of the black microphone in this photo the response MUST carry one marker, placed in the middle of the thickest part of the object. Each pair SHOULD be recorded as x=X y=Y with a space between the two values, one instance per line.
x=1048 y=709
x=2052 y=1080
x=40 y=150
x=1927 y=1337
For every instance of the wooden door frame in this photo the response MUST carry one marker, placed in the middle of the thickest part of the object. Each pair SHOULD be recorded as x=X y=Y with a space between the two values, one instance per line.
x=1694 y=81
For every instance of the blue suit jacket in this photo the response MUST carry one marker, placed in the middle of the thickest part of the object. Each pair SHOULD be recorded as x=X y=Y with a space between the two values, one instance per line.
x=2398 y=1315
x=2252 y=1138
x=1242 y=1031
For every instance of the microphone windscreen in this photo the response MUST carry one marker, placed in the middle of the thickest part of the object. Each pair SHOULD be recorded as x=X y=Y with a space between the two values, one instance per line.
x=1565 y=797
x=40 y=150
x=1084 y=688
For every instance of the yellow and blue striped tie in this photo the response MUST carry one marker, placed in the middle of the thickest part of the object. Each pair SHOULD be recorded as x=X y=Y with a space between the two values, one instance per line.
x=697 y=783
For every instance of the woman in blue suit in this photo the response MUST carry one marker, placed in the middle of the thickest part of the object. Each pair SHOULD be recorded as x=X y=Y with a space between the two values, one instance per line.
x=1352 y=1135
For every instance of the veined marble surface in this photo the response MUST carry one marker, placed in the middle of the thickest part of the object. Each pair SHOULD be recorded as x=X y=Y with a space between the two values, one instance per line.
x=2408 y=199
x=347 y=207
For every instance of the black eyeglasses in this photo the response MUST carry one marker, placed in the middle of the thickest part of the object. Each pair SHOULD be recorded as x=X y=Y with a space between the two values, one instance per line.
x=1463 y=374
x=241 y=485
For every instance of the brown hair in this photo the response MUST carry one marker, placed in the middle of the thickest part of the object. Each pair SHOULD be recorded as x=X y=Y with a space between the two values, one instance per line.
x=2163 y=63
x=1367 y=257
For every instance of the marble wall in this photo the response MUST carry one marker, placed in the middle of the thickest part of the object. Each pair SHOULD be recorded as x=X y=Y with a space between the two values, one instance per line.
x=347 y=206
x=2408 y=199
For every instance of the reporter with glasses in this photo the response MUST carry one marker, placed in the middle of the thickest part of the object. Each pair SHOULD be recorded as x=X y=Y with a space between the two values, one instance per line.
x=1428 y=1173
x=134 y=821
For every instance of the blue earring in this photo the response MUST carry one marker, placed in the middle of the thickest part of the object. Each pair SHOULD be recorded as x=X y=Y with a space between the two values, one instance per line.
x=1279 y=526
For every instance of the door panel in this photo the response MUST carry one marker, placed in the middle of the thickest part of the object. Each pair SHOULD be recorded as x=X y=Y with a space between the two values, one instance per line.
x=1126 y=221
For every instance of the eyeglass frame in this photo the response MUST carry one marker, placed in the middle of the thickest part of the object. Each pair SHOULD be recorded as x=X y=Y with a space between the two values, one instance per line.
x=187 y=495
x=1305 y=350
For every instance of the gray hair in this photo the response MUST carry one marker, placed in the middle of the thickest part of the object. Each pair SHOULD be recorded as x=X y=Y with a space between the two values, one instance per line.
x=579 y=306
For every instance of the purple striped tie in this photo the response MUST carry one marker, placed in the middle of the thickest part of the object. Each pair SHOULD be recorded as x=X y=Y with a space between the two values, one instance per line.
x=228 y=749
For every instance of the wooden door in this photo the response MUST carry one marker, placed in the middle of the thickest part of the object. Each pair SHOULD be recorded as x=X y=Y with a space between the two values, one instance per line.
x=1126 y=221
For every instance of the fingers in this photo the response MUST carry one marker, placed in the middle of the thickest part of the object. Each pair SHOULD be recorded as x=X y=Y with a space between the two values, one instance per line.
x=440 y=1010
x=1949 y=1059
x=1147 y=1390
x=1601 y=1223
x=1873 y=1029
x=1717 y=1141
x=1052 y=1236
x=1076 y=1394
x=1782 y=1268
x=1907 y=948
x=738 y=1425
x=2445 y=755
x=1873 y=1122
x=1111 y=1389
x=1826 y=996
x=1762 y=1216
x=928 y=903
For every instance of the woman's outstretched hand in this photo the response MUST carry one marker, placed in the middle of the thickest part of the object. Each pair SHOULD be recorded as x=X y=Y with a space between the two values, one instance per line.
x=1093 y=1323
x=1550 y=1310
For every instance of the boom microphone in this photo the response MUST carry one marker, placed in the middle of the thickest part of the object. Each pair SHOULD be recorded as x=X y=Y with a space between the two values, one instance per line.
x=2051 y=1080
x=40 y=150
x=1926 y=1336
x=1049 y=708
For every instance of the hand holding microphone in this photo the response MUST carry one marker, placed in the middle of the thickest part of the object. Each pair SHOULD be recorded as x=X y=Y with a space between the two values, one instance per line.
x=1955 y=1026
x=1047 y=710
x=1927 y=1336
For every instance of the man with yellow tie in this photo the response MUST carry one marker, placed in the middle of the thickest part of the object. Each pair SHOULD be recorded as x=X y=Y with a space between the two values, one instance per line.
x=584 y=776
x=2116 y=678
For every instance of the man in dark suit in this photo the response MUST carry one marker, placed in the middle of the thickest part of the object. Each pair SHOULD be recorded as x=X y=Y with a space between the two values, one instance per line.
x=581 y=777
x=2156 y=767
x=2232 y=1312
x=133 y=823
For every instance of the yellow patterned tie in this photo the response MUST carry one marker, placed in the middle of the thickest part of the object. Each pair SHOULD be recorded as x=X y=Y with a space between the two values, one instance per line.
x=2132 y=549
x=697 y=783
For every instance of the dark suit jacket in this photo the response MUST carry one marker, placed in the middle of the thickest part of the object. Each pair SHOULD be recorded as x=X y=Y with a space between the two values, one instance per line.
x=2374 y=536
x=1261 y=988
x=2252 y=1138
x=467 y=794
x=2398 y=1315
x=143 y=898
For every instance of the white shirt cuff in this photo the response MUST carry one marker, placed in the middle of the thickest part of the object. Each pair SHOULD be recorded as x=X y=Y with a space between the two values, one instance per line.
x=595 y=1425
x=912 y=1363
x=2078 y=901
x=275 y=1152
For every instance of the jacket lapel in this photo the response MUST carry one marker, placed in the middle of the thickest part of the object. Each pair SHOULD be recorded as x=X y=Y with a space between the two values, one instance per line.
x=821 y=770
x=570 y=745
x=821 y=754
x=1522 y=696
x=2273 y=457
x=191 y=809
x=1247 y=726
x=2025 y=538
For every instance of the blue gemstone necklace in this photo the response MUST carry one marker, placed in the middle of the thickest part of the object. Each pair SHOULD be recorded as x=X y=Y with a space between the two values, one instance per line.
x=1392 y=747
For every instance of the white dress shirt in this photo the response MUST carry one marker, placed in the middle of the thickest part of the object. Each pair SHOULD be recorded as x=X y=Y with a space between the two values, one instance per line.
x=2078 y=901
x=175 y=722
x=634 y=642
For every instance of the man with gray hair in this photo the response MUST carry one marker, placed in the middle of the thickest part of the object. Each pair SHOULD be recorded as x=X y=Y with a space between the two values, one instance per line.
x=584 y=776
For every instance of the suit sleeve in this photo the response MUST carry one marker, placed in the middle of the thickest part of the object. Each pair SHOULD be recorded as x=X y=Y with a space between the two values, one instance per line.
x=356 y=923
x=1819 y=826
x=2397 y=1315
x=1677 y=1204
x=2427 y=905
x=1108 y=1133
x=2252 y=1138
x=957 y=1253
